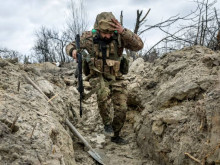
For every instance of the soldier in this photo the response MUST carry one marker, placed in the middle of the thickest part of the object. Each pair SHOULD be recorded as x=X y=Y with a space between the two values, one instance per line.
x=105 y=65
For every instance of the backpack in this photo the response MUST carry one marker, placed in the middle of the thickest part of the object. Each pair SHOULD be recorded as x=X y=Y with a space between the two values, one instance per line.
x=124 y=65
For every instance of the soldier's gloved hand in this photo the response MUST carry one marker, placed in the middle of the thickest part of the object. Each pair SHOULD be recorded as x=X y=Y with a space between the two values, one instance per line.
x=74 y=52
x=117 y=26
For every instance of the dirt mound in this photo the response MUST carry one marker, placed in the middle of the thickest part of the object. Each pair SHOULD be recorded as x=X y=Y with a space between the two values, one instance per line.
x=173 y=115
x=179 y=99
x=39 y=135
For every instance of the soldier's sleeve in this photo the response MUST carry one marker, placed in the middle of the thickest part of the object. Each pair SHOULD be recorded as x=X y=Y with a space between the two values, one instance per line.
x=85 y=43
x=131 y=40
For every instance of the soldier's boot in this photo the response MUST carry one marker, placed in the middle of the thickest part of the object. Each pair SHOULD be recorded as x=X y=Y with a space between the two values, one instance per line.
x=118 y=140
x=108 y=129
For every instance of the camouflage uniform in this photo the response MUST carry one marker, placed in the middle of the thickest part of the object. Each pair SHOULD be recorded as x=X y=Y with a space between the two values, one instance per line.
x=112 y=86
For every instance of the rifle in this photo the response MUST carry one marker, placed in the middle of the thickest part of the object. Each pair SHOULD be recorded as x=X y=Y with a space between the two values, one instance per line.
x=103 y=49
x=80 y=80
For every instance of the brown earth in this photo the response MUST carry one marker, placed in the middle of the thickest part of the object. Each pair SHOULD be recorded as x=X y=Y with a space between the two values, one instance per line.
x=174 y=109
x=179 y=95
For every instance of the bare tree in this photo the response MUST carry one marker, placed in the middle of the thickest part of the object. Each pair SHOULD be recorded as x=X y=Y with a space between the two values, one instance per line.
x=140 y=21
x=199 y=27
x=10 y=54
x=77 y=21
x=50 y=44
x=42 y=46
x=26 y=59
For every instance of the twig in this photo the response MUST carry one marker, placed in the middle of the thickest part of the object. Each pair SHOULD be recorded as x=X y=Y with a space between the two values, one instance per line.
x=13 y=124
x=53 y=97
x=145 y=15
x=33 y=130
x=163 y=40
x=140 y=21
x=121 y=18
x=128 y=157
x=19 y=84
x=190 y=156
x=40 y=113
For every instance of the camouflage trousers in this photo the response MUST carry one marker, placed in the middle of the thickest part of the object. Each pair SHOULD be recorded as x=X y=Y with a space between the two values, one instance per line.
x=115 y=93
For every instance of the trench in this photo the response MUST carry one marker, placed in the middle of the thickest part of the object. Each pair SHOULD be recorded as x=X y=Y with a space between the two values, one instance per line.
x=91 y=127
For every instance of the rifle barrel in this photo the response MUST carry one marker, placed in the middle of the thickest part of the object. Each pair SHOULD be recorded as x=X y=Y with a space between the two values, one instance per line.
x=80 y=80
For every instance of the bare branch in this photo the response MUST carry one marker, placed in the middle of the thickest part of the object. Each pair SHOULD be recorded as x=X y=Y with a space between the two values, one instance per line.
x=139 y=20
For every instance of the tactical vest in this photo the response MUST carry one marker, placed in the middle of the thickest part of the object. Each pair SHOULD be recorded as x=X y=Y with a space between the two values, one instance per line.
x=105 y=58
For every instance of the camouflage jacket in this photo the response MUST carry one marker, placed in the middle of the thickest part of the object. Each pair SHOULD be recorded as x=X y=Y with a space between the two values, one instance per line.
x=129 y=40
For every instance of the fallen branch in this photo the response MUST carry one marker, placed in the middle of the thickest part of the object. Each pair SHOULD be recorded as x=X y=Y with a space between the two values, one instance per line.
x=190 y=156
x=36 y=87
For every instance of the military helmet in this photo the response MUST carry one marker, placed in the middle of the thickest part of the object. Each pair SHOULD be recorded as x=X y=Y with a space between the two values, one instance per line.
x=103 y=22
